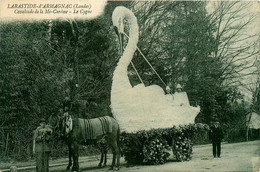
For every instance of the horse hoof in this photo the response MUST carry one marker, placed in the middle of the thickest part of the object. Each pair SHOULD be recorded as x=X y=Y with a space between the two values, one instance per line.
x=99 y=165
x=117 y=169
x=111 y=168
x=74 y=169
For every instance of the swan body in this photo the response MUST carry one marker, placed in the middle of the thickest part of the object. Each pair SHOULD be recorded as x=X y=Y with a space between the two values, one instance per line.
x=139 y=107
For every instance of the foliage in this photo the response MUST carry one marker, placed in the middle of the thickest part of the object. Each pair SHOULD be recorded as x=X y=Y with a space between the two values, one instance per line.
x=237 y=122
x=131 y=147
x=155 y=151
x=44 y=62
x=182 y=148
x=236 y=135
x=152 y=146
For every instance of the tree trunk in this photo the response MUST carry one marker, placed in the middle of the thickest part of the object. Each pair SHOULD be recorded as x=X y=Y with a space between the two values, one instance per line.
x=248 y=123
x=6 y=144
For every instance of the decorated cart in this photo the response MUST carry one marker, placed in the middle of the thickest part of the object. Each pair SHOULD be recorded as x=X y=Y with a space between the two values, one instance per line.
x=149 y=117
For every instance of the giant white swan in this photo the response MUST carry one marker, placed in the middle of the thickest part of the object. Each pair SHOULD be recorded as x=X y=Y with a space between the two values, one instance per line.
x=139 y=107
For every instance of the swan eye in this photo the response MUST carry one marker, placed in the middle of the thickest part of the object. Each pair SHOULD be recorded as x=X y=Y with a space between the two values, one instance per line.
x=116 y=30
x=125 y=22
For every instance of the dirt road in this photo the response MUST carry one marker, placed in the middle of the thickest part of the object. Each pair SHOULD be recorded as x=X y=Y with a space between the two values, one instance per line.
x=235 y=157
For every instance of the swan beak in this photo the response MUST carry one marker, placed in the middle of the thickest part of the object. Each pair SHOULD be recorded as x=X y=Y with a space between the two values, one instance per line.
x=120 y=38
x=121 y=41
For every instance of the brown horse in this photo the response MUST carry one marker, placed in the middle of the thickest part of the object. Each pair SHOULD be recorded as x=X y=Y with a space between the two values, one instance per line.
x=80 y=131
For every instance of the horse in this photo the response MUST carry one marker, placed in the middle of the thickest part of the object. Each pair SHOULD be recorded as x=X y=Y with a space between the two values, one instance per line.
x=79 y=131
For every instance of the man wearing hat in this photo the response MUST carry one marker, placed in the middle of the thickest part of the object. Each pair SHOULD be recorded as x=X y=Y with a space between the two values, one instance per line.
x=41 y=148
x=67 y=117
x=216 y=136
x=180 y=97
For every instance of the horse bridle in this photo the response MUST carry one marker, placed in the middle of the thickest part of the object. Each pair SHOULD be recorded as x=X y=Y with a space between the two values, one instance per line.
x=58 y=118
x=61 y=123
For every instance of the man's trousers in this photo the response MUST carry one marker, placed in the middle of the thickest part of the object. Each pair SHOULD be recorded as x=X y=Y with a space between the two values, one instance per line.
x=216 y=148
x=42 y=161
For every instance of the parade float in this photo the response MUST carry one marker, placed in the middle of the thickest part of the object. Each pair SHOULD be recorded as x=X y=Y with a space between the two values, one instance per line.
x=151 y=120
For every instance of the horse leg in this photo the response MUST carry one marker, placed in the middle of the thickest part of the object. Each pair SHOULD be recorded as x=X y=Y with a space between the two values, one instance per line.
x=70 y=154
x=117 y=156
x=105 y=160
x=117 y=148
x=75 y=154
x=101 y=159
x=114 y=158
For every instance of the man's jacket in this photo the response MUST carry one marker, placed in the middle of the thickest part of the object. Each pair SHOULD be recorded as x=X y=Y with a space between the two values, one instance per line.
x=41 y=139
x=216 y=134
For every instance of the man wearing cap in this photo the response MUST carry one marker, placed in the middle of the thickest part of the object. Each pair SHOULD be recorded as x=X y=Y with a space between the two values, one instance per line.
x=67 y=118
x=180 y=97
x=216 y=136
x=41 y=148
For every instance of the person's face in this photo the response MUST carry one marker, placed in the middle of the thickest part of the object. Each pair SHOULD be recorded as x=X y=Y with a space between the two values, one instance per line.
x=66 y=108
x=178 y=90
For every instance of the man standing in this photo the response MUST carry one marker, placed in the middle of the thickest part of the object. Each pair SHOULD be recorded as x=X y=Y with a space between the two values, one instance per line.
x=216 y=135
x=42 y=148
x=67 y=117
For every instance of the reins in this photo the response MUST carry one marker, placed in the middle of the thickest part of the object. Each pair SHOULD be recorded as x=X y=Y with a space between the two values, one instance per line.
x=57 y=123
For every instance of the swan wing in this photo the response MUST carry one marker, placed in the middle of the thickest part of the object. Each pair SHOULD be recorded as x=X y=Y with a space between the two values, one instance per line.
x=143 y=108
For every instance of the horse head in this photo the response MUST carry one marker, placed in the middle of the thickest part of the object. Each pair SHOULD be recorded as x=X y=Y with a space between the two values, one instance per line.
x=65 y=124
x=54 y=121
x=59 y=122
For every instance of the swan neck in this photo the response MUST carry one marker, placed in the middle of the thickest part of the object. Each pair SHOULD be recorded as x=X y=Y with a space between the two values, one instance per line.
x=132 y=42
x=120 y=78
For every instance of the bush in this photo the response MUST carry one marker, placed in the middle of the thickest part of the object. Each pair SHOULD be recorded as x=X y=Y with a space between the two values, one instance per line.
x=156 y=151
x=152 y=146
x=182 y=149
x=236 y=135
x=131 y=148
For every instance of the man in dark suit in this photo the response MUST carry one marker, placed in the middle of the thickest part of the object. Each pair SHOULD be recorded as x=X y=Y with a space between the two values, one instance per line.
x=216 y=135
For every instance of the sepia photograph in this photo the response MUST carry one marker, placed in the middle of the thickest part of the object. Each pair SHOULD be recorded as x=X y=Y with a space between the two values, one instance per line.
x=130 y=86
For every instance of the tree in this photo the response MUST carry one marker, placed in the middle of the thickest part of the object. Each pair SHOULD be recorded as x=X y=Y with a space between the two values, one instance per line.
x=152 y=19
x=180 y=38
x=235 y=50
x=46 y=61
x=255 y=104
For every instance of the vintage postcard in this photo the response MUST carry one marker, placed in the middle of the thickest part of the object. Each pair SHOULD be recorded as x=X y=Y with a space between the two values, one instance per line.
x=150 y=85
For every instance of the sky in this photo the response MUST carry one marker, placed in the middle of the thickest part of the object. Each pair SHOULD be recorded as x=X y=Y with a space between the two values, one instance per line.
x=251 y=29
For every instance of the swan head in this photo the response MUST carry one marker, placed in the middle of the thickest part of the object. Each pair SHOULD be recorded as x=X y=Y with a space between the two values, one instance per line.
x=118 y=16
